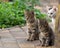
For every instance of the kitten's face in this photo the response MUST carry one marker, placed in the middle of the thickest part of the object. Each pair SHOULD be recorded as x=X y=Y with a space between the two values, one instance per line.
x=43 y=24
x=51 y=12
x=29 y=15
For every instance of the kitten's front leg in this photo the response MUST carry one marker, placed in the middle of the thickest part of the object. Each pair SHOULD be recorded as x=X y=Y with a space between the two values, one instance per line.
x=36 y=36
x=29 y=34
x=32 y=37
x=33 y=34
x=29 y=37
x=47 y=42
x=42 y=42
x=53 y=22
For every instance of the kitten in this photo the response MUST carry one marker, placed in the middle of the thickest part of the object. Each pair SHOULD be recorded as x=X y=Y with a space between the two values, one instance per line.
x=46 y=35
x=51 y=12
x=32 y=24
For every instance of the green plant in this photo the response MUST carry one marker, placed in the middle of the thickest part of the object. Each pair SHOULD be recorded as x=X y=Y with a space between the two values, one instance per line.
x=39 y=14
x=12 y=13
x=31 y=3
x=28 y=4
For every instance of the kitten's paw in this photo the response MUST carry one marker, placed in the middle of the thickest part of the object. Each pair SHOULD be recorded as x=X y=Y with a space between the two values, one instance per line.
x=42 y=45
x=28 y=39
x=31 y=39
x=46 y=45
x=36 y=39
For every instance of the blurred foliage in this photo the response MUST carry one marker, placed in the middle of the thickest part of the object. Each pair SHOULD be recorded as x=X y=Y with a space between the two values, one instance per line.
x=42 y=15
x=39 y=14
x=12 y=13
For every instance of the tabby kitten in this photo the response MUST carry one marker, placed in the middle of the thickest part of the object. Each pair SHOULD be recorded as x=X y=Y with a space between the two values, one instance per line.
x=32 y=24
x=46 y=36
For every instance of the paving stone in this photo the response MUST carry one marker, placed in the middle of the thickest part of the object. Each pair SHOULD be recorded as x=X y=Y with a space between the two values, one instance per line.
x=16 y=30
x=22 y=40
x=23 y=43
x=4 y=30
x=26 y=45
x=21 y=37
x=5 y=35
x=11 y=45
x=0 y=44
x=19 y=34
x=16 y=38
x=8 y=39
x=44 y=47
x=1 y=47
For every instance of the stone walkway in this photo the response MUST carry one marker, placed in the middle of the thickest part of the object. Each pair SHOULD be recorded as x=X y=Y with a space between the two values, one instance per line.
x=16 y=38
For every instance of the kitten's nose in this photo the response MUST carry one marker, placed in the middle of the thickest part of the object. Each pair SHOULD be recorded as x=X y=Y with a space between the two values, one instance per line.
x=50 y=16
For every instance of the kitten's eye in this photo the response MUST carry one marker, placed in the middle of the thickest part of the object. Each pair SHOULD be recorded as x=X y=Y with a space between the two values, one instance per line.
x=51 y=13
x=50 y=8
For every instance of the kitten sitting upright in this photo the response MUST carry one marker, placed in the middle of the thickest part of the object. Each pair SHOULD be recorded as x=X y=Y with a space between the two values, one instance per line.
x=51 y=12
x=32 y=24
x=46 y=34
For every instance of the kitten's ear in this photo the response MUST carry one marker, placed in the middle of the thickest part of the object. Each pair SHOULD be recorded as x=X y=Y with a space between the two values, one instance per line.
x=55 y=8
x=48 y=8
